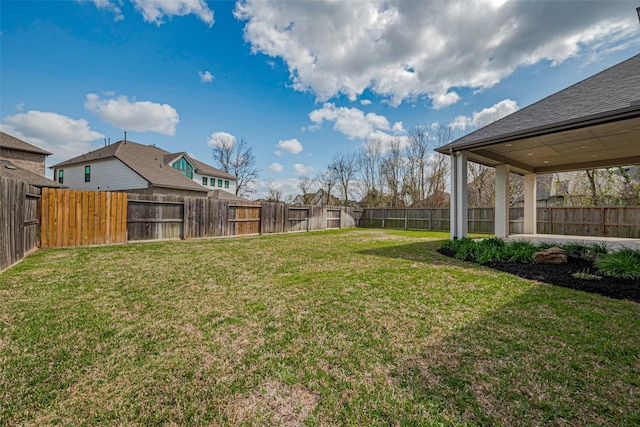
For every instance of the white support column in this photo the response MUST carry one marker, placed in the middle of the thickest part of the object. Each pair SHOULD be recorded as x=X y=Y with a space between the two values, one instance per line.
x=459 y=207
x=530 y=213
x=502 y=201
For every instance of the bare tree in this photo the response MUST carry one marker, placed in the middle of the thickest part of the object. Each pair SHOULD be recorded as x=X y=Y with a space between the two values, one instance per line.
x=343 y=166
x=274 y=194
x=437 y=178
x=305 y=185
x=392 y=170
x=368 y=160
x=223 y=146
x=417 y=154
x=327 y=181
x=482 y=184
x=236 y=157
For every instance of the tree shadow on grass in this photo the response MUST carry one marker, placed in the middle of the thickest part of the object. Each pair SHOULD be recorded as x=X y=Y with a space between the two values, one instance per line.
x=570 y=275
x=421 y=251
x=547 y=356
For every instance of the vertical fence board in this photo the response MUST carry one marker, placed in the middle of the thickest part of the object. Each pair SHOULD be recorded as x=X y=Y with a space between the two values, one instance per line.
x=19 y=233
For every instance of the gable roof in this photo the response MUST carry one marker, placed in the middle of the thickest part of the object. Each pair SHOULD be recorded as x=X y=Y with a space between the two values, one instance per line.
x=146 y=160
x=199 y=166
x=11 y=142
x=10 y=170
x=572 y=126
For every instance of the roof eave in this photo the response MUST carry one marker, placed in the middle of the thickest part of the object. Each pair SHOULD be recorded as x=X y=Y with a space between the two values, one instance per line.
x=633 y=111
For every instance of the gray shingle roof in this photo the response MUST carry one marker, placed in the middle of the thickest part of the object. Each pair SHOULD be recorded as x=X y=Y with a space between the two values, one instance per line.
x=201 y=167
x=10 y=170
x=8 y=141
x=146 y=160
x=225 y=195
x=615 y=90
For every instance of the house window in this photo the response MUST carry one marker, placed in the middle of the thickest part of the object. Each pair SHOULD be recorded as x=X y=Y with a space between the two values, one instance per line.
x=184 y=167
x=204 y=180
x=87 y=173
x=226 y=184
x=60 y=176
x=219 y=183
x=212 y=182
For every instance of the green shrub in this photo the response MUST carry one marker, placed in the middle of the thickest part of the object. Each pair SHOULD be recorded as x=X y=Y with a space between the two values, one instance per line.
x=585 y=251
x=624 y=264
x=488 y=253
x=521 y=251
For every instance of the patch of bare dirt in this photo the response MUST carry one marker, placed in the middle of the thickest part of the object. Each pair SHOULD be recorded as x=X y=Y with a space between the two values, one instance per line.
x=563 y=275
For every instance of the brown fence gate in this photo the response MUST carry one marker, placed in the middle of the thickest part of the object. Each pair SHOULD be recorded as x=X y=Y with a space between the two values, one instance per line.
x=79 y=218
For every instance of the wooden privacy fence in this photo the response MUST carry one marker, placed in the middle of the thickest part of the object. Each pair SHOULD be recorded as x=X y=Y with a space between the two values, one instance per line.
x=431 y=219
x=18 y=220
x=617 y=221
x=79 y=218
x=167 y=217
x=48 y=218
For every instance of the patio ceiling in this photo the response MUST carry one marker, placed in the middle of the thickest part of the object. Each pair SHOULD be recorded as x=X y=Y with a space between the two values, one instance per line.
x=590 y=147
x=592 y=124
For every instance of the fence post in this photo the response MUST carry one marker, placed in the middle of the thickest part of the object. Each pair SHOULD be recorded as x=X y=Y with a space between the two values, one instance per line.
x=603 y=212
x=406 y=218
x=430 y=227
x=384 y=215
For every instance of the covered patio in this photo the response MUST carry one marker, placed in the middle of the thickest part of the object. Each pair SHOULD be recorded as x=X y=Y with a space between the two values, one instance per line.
x=592 y=124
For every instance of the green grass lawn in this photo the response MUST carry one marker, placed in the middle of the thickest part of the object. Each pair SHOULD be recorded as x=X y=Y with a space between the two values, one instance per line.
x=356 y=327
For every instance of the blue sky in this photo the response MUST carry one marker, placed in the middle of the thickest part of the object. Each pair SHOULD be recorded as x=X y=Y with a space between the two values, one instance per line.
x=299 y=80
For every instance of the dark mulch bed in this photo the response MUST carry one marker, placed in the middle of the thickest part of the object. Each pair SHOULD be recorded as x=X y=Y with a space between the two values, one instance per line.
x=562 y=275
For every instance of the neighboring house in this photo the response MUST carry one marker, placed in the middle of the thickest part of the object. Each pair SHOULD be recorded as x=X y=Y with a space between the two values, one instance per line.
x=22 y=154
x=11 y=170
x=146 y=169
x=319 y=198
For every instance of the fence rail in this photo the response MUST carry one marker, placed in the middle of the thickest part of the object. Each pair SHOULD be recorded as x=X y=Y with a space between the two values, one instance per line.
x=618 y=221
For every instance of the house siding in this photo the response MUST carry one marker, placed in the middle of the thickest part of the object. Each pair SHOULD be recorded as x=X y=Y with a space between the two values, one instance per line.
x=33 y=162
x=197 y=177
x=106 y=175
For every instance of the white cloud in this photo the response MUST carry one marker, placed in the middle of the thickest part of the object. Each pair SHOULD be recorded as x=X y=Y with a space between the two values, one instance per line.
x=441 y=100
x=63 y=136
x=218 y=138
x=350 y=121
x=140 y=116
x=407 y=49
x=156 y=10
x=485 y=116
x=205 y=76
x=108 y=5
x=276 y=167
x=365 y=102
x=397 y=127
x=292 y=146
x=300 y=169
